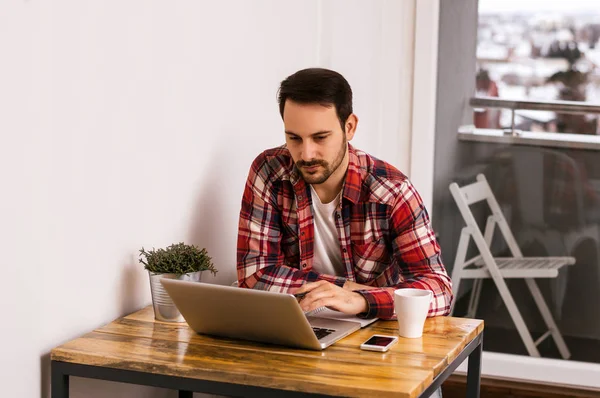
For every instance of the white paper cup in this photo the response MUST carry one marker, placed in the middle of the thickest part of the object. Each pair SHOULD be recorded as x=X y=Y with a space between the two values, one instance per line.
x=412 y=306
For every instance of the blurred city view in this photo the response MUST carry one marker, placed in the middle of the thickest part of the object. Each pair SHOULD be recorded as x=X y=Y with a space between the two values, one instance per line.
x=532 y=51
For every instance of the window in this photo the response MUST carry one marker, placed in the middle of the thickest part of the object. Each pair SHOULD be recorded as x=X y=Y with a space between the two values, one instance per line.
x=538 y=51
x=545 y=173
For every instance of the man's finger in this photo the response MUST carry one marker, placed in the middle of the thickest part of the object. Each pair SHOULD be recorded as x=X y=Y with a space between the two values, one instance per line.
x=318 y=288
x=330 y=302
x=309 y=286
x=318 y=294
x=312 y=299
x=315 y=304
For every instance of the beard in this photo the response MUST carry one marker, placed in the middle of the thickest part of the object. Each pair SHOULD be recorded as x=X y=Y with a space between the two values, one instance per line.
x=324 y=169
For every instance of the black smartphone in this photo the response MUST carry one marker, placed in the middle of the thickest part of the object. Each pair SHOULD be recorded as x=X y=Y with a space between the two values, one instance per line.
x=379 y=342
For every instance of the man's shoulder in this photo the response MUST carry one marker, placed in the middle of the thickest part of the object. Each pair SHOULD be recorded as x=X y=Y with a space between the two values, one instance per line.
x=381 y=181
x=273 y=163
x=380 y=168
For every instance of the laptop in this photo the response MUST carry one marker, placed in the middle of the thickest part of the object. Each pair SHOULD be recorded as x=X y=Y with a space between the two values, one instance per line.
x=254 y=315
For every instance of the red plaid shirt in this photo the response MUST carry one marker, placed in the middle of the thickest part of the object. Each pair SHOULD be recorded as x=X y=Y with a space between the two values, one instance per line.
x=384 y=231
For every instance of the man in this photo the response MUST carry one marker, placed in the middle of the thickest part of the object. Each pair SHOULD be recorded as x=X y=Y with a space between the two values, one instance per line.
x=322 y=218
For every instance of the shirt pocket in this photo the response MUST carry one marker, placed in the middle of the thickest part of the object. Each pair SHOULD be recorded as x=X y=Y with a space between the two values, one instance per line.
x=290 y=245
x=370 y=259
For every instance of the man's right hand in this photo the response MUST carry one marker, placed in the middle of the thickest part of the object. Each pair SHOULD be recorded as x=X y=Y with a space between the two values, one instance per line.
x=326 y=294
x=349 y=285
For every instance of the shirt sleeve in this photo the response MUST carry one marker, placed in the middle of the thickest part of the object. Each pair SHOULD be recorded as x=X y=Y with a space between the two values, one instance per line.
x=260 y=261
x=418 y=255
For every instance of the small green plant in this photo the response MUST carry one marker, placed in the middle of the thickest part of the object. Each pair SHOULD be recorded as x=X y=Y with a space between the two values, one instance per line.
x=177 y=259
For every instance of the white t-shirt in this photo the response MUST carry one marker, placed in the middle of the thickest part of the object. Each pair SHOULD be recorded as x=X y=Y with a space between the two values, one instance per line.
x=328 y=257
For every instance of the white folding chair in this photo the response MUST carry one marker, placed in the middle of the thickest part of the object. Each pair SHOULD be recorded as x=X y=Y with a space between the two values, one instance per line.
x=484 y=265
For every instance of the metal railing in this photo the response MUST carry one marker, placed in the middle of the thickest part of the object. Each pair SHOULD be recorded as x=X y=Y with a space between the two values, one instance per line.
x=571 y=107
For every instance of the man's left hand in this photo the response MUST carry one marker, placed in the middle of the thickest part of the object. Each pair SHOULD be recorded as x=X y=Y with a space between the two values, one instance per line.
x=323 y=293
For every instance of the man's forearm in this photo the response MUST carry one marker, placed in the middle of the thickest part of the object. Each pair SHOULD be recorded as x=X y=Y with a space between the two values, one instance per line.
x=381 y=300
x=350 y=285
x=281 y=277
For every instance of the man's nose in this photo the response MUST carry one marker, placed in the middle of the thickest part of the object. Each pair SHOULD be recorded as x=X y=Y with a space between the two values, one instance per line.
x=308 y=151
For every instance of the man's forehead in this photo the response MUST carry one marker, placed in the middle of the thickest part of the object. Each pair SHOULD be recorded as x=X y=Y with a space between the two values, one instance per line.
x=292 y=107
x=309 y=118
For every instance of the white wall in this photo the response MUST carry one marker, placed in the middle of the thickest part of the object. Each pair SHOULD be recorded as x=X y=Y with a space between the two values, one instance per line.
x=133 y=123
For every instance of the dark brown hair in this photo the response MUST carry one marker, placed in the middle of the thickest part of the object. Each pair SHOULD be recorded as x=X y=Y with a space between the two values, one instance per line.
x=318 y=86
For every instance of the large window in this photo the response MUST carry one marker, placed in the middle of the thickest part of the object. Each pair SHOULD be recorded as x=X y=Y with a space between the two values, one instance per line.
x=541 y=157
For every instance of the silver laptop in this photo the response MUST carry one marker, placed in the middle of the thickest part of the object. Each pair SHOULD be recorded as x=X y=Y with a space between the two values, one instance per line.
x=254 y=315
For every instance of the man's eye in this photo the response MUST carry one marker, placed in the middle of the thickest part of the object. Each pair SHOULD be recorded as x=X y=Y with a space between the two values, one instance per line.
x=320 y=138
x=293 y=138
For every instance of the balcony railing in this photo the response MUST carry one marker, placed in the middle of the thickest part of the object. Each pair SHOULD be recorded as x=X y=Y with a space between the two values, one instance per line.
x=514 y=136
x=571 y=107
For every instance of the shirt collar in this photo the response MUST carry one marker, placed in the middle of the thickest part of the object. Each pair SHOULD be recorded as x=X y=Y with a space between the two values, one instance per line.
x=353 y=182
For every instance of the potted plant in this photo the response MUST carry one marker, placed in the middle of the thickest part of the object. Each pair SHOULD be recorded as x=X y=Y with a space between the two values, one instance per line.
x=178 y=261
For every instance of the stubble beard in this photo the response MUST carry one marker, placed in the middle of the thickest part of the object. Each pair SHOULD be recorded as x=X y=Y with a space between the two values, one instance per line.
x=329 y=169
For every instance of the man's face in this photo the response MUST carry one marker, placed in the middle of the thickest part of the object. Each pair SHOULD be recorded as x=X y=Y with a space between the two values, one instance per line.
x=315 y=139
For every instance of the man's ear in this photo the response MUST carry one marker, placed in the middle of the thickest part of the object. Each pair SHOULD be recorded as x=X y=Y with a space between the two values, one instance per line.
x=350 y=125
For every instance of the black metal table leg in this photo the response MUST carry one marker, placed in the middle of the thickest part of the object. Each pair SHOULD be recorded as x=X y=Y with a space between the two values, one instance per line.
x=471 y=351
x=60 y=382
x=186 y=394
x=474 y=371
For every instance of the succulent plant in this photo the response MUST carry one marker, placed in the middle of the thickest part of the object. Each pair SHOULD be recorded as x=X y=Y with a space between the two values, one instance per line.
x=176 y=259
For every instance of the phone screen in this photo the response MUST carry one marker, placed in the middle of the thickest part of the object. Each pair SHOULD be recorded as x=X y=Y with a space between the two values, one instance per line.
x=380 y=341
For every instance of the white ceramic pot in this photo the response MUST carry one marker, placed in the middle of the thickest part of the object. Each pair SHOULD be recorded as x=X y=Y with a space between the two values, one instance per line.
x=164 y=309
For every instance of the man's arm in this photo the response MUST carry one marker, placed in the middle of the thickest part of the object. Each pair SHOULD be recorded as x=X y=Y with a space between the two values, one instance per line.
x=260 y=261
x=418 y=255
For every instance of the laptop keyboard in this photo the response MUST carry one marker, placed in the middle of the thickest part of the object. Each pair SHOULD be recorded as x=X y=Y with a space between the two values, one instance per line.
x=322 y=332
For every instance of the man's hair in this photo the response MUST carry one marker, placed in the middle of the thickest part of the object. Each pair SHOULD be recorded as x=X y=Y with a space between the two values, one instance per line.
x=318 y=86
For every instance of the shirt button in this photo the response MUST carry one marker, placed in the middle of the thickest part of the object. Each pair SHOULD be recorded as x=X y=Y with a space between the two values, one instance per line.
x=300 y=197
x=302 y=233
x=344 y=250
x=304 y=265
x=337 y=215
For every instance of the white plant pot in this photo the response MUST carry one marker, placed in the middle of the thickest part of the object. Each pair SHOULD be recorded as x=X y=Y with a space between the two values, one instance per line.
x=164 y=308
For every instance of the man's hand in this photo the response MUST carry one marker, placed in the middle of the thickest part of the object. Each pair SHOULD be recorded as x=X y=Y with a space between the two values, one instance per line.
x=349 y=285
x=323 y=293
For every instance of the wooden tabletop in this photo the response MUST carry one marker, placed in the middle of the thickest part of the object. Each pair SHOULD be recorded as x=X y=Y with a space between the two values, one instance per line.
x=138 y=342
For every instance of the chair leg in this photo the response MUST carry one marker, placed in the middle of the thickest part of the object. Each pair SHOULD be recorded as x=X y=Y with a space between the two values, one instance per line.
x=545 y=311
x=515 y=314
x=455 y=285
x=474 y=299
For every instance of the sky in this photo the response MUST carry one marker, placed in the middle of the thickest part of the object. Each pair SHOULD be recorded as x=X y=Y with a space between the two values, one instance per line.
x=538 y=5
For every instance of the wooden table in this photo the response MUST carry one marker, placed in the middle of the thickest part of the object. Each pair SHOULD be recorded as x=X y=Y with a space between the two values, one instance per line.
x=137 y=349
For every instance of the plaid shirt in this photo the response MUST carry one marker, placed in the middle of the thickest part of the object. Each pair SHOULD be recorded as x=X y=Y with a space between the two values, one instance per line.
x=384 y=231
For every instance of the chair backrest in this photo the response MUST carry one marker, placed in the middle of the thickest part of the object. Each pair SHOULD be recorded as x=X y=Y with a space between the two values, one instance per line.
x=476 y=192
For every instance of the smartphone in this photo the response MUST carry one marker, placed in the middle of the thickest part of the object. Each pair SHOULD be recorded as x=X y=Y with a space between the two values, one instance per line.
x=379 y=342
